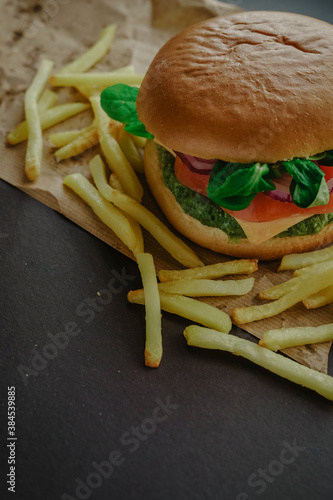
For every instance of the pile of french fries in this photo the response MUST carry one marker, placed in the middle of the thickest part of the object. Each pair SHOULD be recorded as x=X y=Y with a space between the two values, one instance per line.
x=312 y=284
x=41 y=111
x=115 y=196
x=117 y=200
x=175 y=292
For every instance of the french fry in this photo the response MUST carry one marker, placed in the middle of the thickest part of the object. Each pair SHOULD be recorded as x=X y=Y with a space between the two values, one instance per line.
x=115 y=183
x=207 y=288
x=276 y=363
x=139 y=142
x=319 y=299
x=153 y=348
x=97 y=169
x=104 y=210
x=130 y=151
x=277 y=291
x=113 y=130
x=282 y=338
x=60 y=139
x=114 y=156
x=33 y=157
x=47 y=100
x=85 y=141
x=95 y=90
x=172 y=244
x=306 y=286
x=242 y=266
x=298 y=260
x=48 y=118
x=104 y=79
x=89 y=90
x=94 y=54
x=192 y=309
x=311 y=269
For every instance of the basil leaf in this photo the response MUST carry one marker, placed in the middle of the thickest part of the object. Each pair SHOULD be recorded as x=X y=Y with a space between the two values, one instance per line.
x=138 y=129
x=304 y=171
x=306 y=197
x=308 y=187
x=234 y=185
x=328 y=160
x=323 y=195
x=119 y=102
x=317 y=157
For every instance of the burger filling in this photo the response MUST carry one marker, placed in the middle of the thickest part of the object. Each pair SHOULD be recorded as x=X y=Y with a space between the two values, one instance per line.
x=190 y=190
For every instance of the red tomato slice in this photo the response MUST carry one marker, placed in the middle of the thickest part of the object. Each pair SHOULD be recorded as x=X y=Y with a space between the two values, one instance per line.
x=197 y=182
x=262 y=208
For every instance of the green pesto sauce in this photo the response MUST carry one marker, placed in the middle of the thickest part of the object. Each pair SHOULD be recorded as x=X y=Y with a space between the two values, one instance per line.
x=208 y=213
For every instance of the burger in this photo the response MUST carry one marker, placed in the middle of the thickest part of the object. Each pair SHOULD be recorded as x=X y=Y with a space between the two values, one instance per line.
x=240 y=114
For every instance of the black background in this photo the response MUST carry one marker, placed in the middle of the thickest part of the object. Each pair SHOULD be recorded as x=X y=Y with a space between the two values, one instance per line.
x=230 y=423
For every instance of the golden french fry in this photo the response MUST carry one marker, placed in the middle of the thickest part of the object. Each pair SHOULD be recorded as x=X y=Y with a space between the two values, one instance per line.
x=298 y=260
x=277 y=291
x=104 y=210
x=276 y=363
x=48 y=118
x=94 y=54
x=153 y=348
x=282 y=338
x=85 y=141
x=99 y=79
x=60 y=139
x=139 y=142
x=46 y=101
x=207 y=288
x=242 y=266
x=114 y=156
x=192 y=309
x=89 y=90
x=319 y=299
x=306 y=286
x=97 y=169
x=95 y=90
x=311 y=269
x=172 y=244
x=33 y=157
x=115 y=183
x=130 y=151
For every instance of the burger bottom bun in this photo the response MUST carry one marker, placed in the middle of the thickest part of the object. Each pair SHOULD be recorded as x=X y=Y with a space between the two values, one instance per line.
x=215 y=239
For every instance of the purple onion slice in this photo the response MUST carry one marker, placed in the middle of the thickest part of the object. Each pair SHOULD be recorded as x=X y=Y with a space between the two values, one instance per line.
x=197 y=165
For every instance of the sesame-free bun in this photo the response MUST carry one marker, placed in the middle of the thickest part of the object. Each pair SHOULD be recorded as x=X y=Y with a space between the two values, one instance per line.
x=254 y=86
x=214 y=238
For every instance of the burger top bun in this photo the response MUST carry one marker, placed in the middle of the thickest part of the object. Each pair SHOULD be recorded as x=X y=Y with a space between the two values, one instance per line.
x=255 y=86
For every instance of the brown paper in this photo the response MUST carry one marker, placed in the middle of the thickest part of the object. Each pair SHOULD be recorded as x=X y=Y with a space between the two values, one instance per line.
x=61 y=31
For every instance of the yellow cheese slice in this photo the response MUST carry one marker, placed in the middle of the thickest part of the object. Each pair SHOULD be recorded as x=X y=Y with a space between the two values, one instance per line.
x=258 y=232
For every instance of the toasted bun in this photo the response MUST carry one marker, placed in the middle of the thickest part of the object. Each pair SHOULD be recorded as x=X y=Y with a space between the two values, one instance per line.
x=254 y=86
x=214 y=238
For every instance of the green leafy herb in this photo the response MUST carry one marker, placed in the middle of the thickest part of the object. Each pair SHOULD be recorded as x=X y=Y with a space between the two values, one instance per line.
x=234 y=185
x=327 y=160
x=308 y=187
x=119 y=102
x=317 y=157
